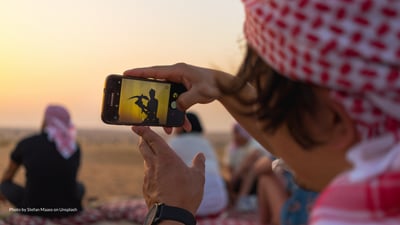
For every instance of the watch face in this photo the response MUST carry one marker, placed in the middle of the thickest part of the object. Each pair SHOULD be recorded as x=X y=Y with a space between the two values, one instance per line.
x=150 y=215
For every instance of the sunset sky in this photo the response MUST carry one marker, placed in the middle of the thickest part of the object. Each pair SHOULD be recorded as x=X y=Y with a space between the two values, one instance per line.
x=61 y=51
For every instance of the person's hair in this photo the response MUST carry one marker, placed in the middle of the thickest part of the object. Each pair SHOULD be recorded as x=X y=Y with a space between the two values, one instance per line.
x=279 y=99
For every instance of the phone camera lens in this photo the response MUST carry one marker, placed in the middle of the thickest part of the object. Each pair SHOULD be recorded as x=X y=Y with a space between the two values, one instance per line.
x=173 y=105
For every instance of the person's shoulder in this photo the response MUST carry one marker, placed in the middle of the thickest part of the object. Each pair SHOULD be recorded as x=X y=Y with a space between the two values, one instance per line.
x=32 y=138
x=189 y=137
x=30 y=141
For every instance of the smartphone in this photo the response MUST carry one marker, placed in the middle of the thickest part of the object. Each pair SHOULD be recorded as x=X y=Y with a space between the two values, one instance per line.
x=139 y=101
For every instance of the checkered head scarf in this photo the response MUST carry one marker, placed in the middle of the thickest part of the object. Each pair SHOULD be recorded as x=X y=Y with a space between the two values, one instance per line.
x=59 y=128
x=351 y=47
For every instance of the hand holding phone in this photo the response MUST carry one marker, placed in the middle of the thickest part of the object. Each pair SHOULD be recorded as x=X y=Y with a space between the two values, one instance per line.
x=140 y=101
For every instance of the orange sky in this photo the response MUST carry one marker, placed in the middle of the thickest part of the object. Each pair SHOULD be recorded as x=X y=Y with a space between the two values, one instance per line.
x=61 y=51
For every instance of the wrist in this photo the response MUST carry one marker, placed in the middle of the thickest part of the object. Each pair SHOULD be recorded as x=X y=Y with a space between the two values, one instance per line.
x=223 y=82
x=165 y=214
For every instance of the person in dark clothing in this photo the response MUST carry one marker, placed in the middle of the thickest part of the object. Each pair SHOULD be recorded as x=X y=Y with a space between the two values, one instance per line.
x=51 y=160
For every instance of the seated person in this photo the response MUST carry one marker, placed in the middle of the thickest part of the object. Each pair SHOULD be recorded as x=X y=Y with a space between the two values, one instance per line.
x=189 y=144
x=51 y=160
x=281 y=201
x=240 y=158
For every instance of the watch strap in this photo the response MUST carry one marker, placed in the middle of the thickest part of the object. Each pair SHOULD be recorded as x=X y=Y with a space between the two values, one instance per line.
x=167 y=212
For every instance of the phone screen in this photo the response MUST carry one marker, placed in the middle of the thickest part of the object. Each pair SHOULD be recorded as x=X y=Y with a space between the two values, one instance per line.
x=143 y=101
x=136 y=101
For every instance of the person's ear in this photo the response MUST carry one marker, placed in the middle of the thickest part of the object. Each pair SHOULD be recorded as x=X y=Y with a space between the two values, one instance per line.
x=331 y=124
x=342 y=129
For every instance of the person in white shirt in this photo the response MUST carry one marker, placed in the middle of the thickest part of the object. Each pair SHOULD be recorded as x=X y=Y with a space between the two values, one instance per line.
x=189 y=144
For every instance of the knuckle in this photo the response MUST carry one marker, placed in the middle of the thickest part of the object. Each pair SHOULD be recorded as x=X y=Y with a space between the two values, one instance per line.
x=181 y=104
x=181 y=65
x=142 y=145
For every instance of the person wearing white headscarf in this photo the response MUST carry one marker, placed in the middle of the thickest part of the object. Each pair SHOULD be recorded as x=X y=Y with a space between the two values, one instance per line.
x=51 y=160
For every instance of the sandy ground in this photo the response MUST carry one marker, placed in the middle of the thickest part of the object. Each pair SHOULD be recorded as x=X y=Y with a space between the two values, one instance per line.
x=111 y=169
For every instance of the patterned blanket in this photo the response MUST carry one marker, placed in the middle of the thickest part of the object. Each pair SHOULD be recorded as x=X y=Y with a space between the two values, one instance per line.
x=132 y=211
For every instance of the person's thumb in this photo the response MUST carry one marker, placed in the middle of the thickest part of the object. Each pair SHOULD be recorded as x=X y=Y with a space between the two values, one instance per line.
x=186 y=100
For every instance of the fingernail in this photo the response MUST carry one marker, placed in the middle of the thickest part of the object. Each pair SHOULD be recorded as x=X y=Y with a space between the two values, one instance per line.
x=202 y=157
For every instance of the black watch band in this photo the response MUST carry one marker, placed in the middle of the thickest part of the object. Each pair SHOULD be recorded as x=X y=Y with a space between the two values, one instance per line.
x=160 y=212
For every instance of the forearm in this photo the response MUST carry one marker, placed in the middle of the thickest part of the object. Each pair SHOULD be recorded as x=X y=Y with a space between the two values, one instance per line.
x=7 y=176
x=10 y=172
x=235 y=105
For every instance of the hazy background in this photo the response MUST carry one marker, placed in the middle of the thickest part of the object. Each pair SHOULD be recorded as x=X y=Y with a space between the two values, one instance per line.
x=61 y=51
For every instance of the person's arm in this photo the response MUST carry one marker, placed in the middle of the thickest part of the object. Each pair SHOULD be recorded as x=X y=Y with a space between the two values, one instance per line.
x=9 y=175
x=163 y=168
x=202 y=86
x=10 y=171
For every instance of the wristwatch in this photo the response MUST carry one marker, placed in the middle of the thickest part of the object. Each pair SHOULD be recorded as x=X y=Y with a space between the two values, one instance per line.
x=160 y=212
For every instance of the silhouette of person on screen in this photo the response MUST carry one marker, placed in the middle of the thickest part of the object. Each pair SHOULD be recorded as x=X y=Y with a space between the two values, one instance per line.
x=152 y=107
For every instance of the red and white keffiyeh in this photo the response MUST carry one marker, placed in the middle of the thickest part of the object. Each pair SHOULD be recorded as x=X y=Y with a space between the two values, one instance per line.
x=60 y=129
x=353 y=48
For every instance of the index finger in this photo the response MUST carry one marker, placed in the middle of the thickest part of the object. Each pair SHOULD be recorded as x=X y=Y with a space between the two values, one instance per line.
x=174 y=73
x=153 y=140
